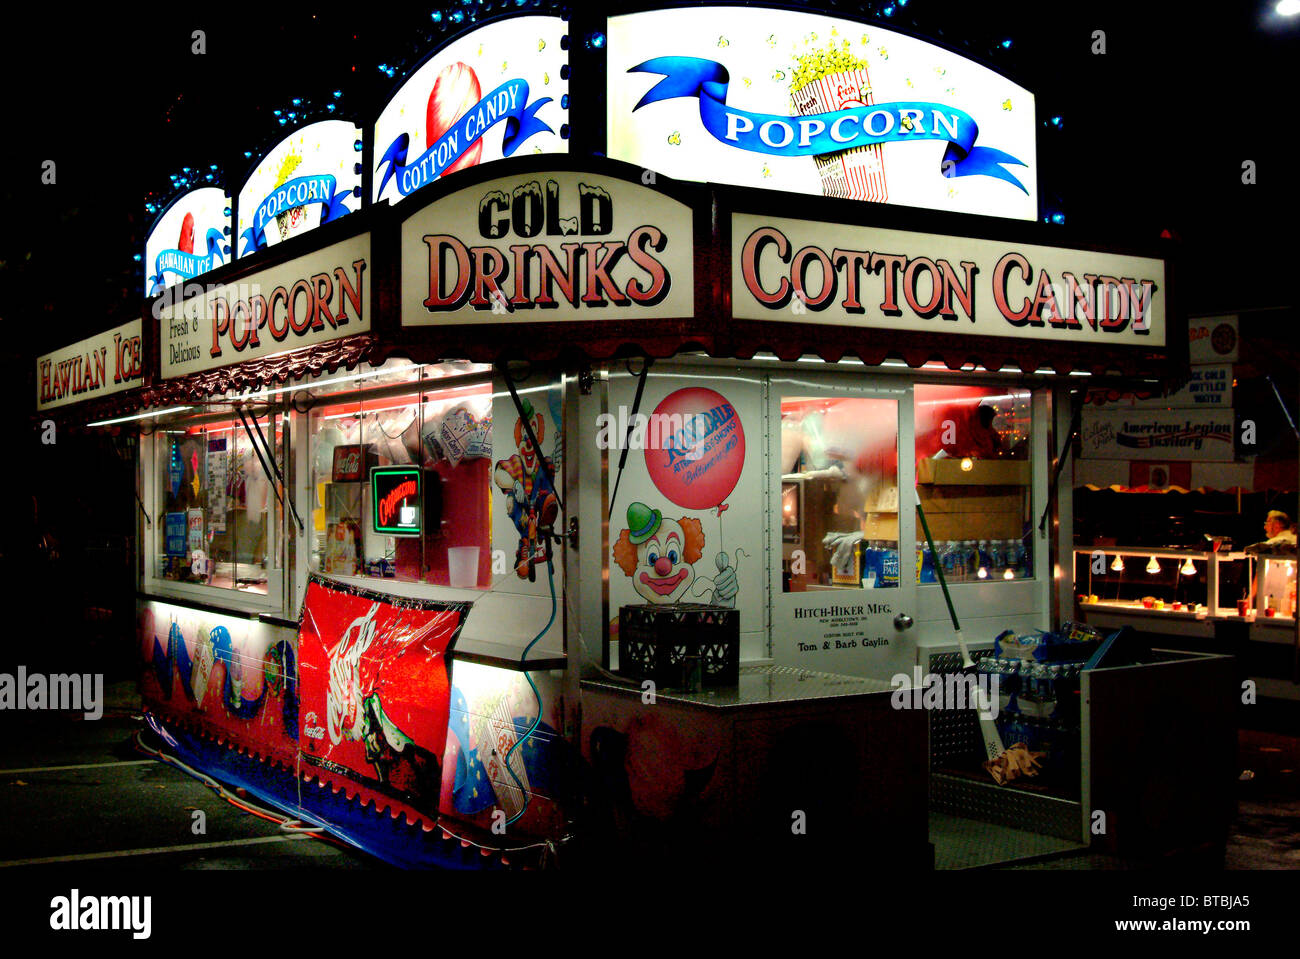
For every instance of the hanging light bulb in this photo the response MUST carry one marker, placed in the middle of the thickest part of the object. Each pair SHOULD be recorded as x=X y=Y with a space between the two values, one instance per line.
x=983 y=573
x=967 y=464
x=1118 y=564
x=1153 y=567
x=1009 y=574
x=1188 y=568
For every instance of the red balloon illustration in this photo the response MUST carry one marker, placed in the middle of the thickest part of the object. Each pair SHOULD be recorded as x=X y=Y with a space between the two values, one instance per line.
x=186 y=243
x=699 y=448
x=454 y=92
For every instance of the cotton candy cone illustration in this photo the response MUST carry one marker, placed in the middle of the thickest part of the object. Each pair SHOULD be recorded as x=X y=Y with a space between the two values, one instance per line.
x=454 y=92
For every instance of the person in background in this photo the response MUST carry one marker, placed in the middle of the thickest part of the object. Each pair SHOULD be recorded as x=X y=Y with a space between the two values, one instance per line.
x=985 y=441
x=1278 y=528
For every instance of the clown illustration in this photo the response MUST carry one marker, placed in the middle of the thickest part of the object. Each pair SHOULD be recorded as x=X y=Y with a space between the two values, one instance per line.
x=530 y=498
x=659 y=556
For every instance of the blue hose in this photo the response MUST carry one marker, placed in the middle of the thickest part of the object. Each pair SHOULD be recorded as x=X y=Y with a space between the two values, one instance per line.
x=550 y=578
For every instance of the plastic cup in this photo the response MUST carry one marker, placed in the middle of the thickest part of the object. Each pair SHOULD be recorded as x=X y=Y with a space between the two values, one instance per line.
x=1243 y=607
x=462 y=566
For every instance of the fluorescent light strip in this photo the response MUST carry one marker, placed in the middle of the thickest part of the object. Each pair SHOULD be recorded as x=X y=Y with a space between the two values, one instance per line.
x=338 y=379
x=444 y=399
x=360 y=413
x=531 y=389
x=139 y=416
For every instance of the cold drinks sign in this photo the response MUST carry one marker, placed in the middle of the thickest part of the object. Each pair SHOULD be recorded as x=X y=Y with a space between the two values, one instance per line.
x=801 y=271
x=312 y=299
x=546 y=247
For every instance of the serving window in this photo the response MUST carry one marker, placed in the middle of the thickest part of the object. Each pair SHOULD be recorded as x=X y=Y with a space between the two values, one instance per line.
x=402 y=482
x=839 y=492
x=218 y=518
x=973 y=478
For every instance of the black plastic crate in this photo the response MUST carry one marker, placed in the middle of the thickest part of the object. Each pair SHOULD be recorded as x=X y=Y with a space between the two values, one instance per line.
x=654 y=642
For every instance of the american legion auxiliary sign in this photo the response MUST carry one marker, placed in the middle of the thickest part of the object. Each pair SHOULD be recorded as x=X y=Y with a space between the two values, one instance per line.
x=809 y=272
x=322 y=296
x=545 y=247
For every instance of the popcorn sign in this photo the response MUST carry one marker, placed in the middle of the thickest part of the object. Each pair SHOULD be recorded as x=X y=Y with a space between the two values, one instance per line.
x=815 y=104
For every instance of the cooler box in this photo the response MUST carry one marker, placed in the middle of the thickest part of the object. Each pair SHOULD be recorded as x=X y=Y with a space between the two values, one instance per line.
x=655 y=641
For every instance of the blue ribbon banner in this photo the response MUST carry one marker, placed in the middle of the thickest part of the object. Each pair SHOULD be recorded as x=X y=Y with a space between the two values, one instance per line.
x=820 y=133
x=185 y=265
x=300 y=191
x=506 y=102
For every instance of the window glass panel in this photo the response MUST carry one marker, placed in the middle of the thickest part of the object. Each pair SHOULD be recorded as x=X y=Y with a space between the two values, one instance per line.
x=839 y=493
x=433 y=449
x=973 y=477
x=457 y=450
x=213 y=498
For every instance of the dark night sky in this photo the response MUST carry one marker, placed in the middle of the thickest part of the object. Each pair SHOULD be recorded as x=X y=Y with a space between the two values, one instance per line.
x=1155 y=131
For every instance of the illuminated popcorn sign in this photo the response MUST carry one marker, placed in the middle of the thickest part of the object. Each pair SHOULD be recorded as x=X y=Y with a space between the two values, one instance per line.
x=814 y=104
x=546 y=247
x=311 y=177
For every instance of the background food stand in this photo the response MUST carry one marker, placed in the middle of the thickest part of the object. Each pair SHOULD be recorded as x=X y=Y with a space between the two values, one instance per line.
x=1185 y=517
x=522 y=313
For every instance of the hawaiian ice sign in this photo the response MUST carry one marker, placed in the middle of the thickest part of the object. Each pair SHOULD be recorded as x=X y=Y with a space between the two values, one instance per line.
x=812 y=104
x=189 y=239
x=312 y=176
x=491 y=94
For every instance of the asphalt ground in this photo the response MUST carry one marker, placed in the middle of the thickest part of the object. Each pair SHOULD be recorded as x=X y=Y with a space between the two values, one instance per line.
x=75 y=792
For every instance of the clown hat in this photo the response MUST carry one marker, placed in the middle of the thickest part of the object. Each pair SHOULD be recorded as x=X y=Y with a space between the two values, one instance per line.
x=642 y=523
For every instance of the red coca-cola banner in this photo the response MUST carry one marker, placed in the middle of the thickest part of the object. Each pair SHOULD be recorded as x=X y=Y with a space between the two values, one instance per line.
x=376 y=690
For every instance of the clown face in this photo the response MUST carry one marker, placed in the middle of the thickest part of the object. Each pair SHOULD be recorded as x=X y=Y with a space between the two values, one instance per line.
x=662 y=573
x=526 y=450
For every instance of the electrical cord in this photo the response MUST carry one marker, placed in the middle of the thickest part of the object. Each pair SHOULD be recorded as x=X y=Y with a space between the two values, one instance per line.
x=523 y=659
x=285 y=823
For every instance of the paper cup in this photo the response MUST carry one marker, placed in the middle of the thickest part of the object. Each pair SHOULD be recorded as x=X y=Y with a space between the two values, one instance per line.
x=462 y=566
x=859 y=172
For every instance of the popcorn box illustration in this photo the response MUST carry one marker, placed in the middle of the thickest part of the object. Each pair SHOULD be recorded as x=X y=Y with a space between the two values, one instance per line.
x=826 y=81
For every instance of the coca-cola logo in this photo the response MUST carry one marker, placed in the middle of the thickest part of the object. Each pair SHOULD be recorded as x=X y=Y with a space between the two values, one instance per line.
x=347 y=463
